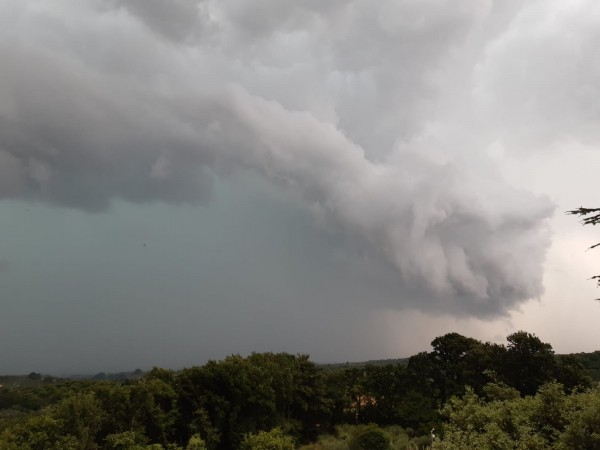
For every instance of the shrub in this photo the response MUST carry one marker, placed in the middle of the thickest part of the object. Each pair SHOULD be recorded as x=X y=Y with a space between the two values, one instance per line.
x=268 y=440
x=370 y=438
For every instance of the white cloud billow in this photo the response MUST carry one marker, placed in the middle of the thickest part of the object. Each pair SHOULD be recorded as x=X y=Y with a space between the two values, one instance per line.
x=379 y=116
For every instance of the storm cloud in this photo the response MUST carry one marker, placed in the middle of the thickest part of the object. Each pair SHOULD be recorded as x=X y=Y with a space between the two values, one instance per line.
x=385 y=119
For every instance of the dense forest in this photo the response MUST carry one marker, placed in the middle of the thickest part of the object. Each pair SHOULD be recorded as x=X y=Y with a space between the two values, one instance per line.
x=463 y=394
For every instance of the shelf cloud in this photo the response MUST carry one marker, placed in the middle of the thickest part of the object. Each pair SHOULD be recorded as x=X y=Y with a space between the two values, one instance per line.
x=387 y=120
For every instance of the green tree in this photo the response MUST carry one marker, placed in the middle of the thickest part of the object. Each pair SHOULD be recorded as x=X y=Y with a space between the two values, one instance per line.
x=384 y=389
x=130 y=440
x=529 y=362
x=228 y=399
x=452 y=354
x=337 y=396
x=267 y=440
x=549 y=420
x=583 y=427
x=225 y=400
x=155 y=412
x=369 y=437
x=298 y=391
x=115 y=402
x=81 y=416
x=423 y=373
x=473 y=423
x=37 y=433
x=196 y=443
x=571 y=373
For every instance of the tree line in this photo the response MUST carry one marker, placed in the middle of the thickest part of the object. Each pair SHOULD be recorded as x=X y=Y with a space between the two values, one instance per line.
x=280 y=401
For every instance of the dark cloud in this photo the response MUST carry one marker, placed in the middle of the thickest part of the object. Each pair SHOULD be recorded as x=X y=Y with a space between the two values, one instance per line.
x=379 y=117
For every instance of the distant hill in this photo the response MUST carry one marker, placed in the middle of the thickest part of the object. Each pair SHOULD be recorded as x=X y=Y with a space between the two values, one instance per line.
x=590 y=362
x=118 y=376
x=37 y=379
x=358 y=365
x=32 y=380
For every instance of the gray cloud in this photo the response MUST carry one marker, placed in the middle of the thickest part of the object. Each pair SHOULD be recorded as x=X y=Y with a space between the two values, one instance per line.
x=177 y=21
x=536 y=82
x=379 y=116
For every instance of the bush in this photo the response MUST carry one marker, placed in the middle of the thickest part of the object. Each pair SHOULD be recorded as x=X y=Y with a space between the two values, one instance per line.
x=268 y=440
x=196 y=443
x=370 y=438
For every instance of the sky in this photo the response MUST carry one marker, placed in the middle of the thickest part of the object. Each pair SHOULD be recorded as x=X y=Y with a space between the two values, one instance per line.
x=187 y=179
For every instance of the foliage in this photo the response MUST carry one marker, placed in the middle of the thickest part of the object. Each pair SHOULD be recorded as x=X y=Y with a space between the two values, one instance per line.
x=274 y=439
x=589 y=362
x=484 y=390
x=196 y=443
x=551 y=419
x=80 y=416
x=127 y=440
x=37 y=433
x=529 y=362
x=225 y=400
x=340 y=439
x=369 y=438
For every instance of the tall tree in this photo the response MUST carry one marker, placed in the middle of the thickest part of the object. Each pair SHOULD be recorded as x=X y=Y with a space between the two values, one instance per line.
x=529 y=362
x=452 y=354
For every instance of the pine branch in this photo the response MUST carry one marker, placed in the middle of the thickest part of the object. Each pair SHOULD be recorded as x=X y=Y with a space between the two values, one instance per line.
x=585 y=213
x=590 y=216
